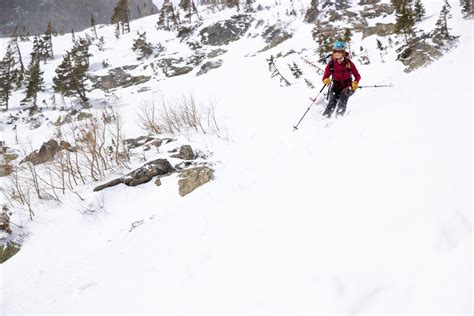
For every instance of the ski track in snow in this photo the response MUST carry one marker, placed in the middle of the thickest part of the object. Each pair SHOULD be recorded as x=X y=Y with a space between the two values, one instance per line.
x=371 y=214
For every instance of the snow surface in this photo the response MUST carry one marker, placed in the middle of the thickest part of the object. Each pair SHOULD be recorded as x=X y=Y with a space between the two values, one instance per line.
x=372 y=214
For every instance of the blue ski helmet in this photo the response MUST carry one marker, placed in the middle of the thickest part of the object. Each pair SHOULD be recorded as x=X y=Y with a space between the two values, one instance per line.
x=339 y=45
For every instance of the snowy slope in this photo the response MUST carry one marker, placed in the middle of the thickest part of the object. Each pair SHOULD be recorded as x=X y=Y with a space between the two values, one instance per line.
x=372 y=214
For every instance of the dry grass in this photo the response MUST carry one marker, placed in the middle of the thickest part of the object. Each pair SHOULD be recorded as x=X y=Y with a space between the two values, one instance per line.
x=179 y=117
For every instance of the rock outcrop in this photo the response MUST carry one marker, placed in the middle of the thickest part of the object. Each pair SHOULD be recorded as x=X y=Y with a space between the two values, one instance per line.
x=417 y=55
x=380 y=29
x=227 y=31
x=193 y=178
x=185 y=152
x=274 y=36
x=158 y=167
x=117 y=78
x=46 y=152
x=208 y=66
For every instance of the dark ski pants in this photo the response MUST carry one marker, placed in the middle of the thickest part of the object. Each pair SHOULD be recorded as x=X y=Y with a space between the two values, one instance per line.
x=338 y=97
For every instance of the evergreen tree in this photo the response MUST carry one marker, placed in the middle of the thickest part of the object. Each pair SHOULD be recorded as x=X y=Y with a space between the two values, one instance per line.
x=295 y=70
x=405 y=20
x=94 y=28
x=62 y=80
x=419 y=10
x=8 y=75
x=309 y=83
x=41 y=48
x=17 y=55
x=48 y=40
x=379 y=45
x=347 y=37
x=145 y=49
x=100 y=44
x=71 y=73
x=441 y=35
x=312 y=12
x=35 y=81
x=467 y=9
x=139 y=11
x=121 y=15
x=189 y=8
x=168 y=19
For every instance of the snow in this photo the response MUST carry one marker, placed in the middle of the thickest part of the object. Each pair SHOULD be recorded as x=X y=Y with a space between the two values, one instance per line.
x=372 y=214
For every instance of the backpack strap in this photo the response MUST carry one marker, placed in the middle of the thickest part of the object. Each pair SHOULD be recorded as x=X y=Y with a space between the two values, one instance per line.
x=348 y=65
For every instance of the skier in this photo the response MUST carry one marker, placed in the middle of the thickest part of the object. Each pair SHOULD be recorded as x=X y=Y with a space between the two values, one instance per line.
x=341 y=69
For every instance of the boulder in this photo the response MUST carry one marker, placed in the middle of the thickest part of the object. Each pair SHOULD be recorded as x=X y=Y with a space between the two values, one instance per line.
x=191 y=179
x=8 y=250
x=216 y=52
x=137 y=142
x=380 y=29
x=170 y=67
x=5 y=170
x=158 y=167
x=274 y=36
x=117 y=78
x=207 y=66
x=377 y=10
x=417 y=55
x=46 y=152
x=227 y=31
x=185 y=153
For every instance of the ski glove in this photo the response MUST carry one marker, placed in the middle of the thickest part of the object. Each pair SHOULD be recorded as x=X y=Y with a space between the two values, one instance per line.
x=355 y=85
x=327 y=81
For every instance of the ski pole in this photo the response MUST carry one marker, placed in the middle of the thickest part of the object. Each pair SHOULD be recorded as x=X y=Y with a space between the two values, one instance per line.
x=314 y=101
x=377 y=86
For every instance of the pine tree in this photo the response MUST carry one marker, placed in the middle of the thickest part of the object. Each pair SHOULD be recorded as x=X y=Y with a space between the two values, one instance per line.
x=309 y=83
x=189 y=8
x=467 y=9
x=62 y=80
x=145 y=49
x=35 y=81
x=94 y=28
x=441 y=34
x=168 y=19
x=8 y=75
x=295 y=70
x=121 y=15
x=48 y=39
x=17 y=55
x=419 y=10
x=71 y=73
x=41 y=49
x=347 y=37
x=379 y=45
x=405 y=21
x=100 y=44
x=139 y=11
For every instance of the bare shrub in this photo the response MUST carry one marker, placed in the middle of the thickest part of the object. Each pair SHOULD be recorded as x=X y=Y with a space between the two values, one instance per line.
x=181 y=116
x=148 y=119
x=90 y=150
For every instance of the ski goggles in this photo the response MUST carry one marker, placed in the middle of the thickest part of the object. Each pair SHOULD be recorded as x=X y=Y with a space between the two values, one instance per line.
x=338 y=51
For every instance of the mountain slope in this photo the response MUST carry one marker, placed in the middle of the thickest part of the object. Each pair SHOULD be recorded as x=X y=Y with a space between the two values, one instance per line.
x=372 y=214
